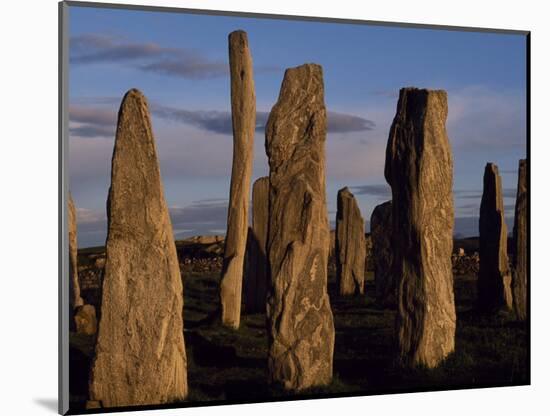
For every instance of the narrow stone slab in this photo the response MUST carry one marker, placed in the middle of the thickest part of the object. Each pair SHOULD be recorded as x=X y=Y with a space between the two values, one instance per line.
x=300 y=323
x=75 y=300
x=519 y=276
x=382 y=255
x=350 y=245
x=256 y=278
x=140 y=353
x=419 y=169
x=494 y=280
x=243 y=112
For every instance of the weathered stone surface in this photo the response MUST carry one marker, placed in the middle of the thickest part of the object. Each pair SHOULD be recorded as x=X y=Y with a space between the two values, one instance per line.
x=86 y=321
x=243 y=110
x=75 y=300
x=382 y=254
x=494 y=279
x=300 y=323
x=256 y=277
x=350 y=245
x=419 y=168
x=140 y=353
x=519 y=276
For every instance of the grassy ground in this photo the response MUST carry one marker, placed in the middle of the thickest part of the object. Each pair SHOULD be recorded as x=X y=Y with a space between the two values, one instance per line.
x=231 y=365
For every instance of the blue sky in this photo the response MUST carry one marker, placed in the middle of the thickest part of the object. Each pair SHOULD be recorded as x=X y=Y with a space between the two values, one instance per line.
x=179 y=61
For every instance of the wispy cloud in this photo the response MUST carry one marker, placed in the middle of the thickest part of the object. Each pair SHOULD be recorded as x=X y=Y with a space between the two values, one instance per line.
x=92 y=121
x=220 y=121
x=95 y=48
x=147 y=56
x=99 y=121
x=382 y=191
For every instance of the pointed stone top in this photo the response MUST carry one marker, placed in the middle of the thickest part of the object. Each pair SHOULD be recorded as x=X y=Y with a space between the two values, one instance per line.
x=134 y=94
x=133 y=100
x=345 y=193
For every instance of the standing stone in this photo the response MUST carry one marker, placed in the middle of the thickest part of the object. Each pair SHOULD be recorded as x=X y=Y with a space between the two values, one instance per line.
x=243 y=110
x=494 y=279
x=419 y=168
x=384 y=280
x=140 y=353
x=300 y=323
x=75 y=300
x=350 y=245
x=85 y=319
x=256 y=278
x=519 y=276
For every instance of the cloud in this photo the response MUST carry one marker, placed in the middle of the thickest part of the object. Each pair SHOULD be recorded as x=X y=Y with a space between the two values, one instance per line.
x=382 y=191
x=94 y=48
x=192 y=66
x=92 y=122
x=347 y=123
x=98 y=121
x=147 y=56
x=220 y=121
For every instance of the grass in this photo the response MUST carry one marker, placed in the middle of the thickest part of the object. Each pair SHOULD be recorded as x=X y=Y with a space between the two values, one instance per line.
x=224 y=364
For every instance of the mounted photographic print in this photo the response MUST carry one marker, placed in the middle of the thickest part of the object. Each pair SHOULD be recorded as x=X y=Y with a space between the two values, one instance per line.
x=265 y=208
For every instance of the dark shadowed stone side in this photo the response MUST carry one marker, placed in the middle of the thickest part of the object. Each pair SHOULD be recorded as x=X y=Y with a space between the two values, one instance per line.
x=519 y=276
x=382 y=255
x=140 y=352
x=243 y=116
x=300 y=323
x=419 y=168
x=494 y=279
x=350 y=245
x=256 y=276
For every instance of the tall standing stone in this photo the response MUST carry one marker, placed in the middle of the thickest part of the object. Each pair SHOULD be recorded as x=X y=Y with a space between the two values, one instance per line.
x=382 y=254
x=243 y=111
x=256 y=278
x=519 y=276
x=350 y=245
x=300 y=323
x=494 y=279
x=75 y=300
x=140 y=353
x=419 y=168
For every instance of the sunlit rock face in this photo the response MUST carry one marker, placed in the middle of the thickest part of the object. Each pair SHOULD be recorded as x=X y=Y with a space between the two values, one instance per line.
x=140 y=352
x=243 y=114
x=494 y=279
x=520 y=261
x=419 y=169
x=300 y=323
x=350 y=245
